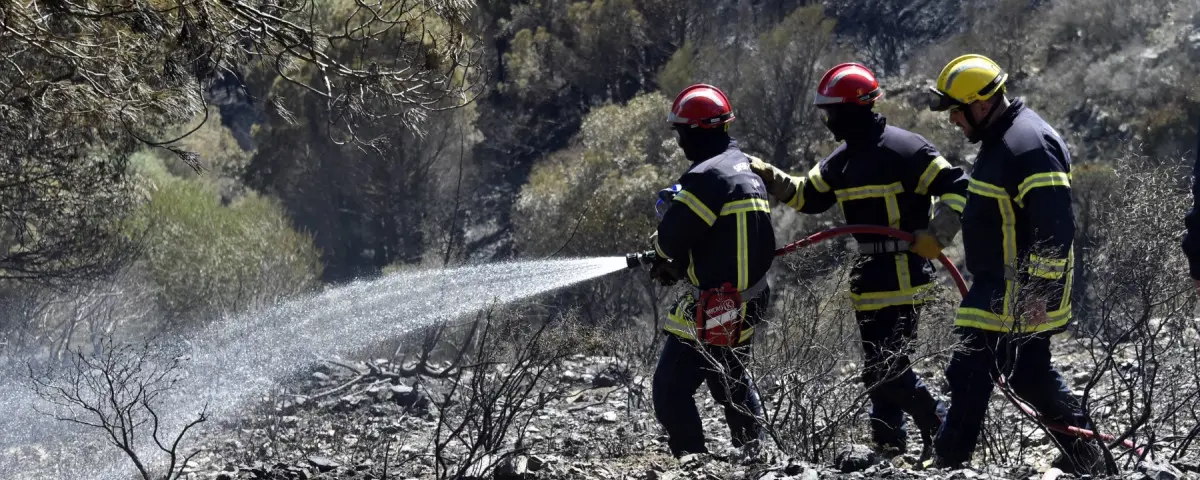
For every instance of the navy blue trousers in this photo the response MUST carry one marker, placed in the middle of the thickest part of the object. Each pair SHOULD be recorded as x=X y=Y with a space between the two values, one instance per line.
x=1024 y=359
x=680 y=371
x=892 y=386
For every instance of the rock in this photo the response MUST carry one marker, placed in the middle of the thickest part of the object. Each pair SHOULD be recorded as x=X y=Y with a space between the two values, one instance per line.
x=1159 y=471
x=409 y=397
x=810 y=474
x=512 y=468
x=576 y=438
x=1024 y=471
x=401 y=389
x=258 y=471
x=537 y=463
x=190 y=467
x=289 y=407
x=1052 y=474
x=478 y=469
x=388 y=410
x=603 y=380
x=323 y=464
x=792 y=468
x=691 y=460
x=653 y=474
x=380 y=393
x=612 y=375
x=295 y=472
x=349 y=403
x=609 y=417
x=855 y=458
x=1189 y=466
x=320 y=376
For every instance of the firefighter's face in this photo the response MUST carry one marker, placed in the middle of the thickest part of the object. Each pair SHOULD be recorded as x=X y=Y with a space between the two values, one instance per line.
x=959 y=119
x=828 y=115
x=958 y=116
x=681 y=132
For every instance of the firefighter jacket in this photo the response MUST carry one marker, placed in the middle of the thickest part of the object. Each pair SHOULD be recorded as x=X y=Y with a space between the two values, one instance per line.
x=719 y=224
x=884 y=176
x=1191 y=240
x=1018 y=225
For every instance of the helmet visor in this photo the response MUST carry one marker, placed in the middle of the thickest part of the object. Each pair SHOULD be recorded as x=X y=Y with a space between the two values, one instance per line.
x=940 y=102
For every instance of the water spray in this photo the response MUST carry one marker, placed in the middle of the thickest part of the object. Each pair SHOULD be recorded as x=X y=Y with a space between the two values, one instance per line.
x=236 y=361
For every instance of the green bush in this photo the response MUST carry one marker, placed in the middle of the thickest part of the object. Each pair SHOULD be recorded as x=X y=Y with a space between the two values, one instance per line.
x=207 y=259
x=598 y=196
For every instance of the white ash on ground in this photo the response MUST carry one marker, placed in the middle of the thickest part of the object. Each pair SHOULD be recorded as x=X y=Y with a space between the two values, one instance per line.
x=365 y=421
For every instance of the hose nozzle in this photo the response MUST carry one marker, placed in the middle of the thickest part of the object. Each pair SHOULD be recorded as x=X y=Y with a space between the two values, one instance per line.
x=635 y=260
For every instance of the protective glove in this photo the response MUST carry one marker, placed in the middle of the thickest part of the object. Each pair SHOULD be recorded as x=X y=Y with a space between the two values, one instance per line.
x=779 y=184
x=926 y=245
x=665 y=271
x=944 y=224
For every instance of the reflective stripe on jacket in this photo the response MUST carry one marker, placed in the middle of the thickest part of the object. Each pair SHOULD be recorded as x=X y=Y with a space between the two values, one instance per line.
x=885 y=177
x=719 y=224
x=1018 y=225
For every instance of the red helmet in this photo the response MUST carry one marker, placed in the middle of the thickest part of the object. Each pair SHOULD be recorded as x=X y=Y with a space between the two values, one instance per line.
x=848 y=83
x=701 y=105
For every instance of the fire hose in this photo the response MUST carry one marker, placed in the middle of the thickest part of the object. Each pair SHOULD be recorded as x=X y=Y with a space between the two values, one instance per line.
x=635 y=259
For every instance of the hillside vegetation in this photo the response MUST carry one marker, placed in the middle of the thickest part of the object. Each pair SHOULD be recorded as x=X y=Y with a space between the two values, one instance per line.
x=171 y=163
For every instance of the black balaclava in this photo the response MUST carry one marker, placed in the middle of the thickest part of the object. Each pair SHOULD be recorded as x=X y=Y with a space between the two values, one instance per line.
x=978 y=126
x=851 y=122
x=700 y=144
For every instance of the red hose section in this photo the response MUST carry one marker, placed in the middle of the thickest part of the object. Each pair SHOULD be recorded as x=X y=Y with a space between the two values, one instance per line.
x=962 y=289
x=875 y=229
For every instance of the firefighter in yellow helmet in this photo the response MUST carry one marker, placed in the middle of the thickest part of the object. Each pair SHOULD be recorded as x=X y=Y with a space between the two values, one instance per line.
x=1017 y=229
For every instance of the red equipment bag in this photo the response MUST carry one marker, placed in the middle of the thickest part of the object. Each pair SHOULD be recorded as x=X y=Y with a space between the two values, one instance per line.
x=719 y=316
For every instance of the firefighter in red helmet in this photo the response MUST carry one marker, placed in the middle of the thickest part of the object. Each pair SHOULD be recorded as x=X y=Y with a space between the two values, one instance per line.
x=887 y=176
x=717 y=234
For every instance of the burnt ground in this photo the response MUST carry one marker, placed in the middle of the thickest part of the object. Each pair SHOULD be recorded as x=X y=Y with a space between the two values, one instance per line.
x=369 y=422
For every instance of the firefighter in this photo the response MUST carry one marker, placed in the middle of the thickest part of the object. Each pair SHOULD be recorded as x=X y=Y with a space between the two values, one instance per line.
x=882 y=175
x=1018 y=228
x=716 y=234
x=1191 y=239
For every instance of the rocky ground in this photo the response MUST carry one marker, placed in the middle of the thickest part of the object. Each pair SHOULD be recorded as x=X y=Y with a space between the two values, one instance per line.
x=366 y=422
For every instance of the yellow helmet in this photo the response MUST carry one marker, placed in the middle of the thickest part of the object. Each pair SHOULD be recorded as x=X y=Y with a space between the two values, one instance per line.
x=967 y=79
